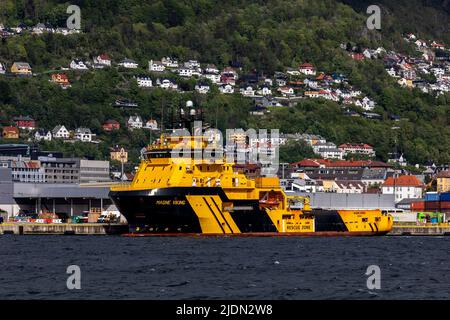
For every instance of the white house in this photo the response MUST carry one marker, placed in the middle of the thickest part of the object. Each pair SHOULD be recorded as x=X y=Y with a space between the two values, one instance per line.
x=128 y=64
x=83 y=134
x=192 y=64
x=403 y=187
x=185 y=72
x=307 y=69
x=168 y=62
x=212 y=69
x=135 y=122
x=167 y=84
x=357 y=148
x=42 y=134
x=202 y=88
x=151 y=125
x=60 y=131
x=214 y=78
x=144 y=82
x=103 y=59
x=156 y=66
x=265 y=91
x=2 y=69
x=286 y=91
x=247 y=92
x=226 y=88
x=78 y=65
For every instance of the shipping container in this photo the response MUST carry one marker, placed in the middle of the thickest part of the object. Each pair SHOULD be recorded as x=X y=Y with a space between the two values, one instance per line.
x=445 y=196
x=418 y=206
x=445 y=204
x=431 y=196
x=432 y=205
x=404 y=217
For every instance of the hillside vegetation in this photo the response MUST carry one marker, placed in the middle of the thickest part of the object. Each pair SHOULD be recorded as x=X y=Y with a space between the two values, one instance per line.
x=266 y=36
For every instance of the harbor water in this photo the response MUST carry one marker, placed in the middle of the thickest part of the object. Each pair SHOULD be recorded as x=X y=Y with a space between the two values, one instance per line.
x=114 y=267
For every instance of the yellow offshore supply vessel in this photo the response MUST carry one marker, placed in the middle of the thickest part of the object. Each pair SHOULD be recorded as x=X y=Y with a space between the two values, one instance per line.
x=192 y=196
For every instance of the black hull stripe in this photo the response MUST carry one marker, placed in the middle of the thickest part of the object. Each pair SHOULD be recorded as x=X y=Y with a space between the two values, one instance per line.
x=218 y=222
x=370 y=225
x=221 y=213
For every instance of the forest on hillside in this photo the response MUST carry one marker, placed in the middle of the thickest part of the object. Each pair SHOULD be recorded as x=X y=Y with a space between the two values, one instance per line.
x=262 y=36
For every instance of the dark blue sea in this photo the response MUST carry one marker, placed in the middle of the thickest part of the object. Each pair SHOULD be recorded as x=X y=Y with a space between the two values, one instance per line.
x=114 y=267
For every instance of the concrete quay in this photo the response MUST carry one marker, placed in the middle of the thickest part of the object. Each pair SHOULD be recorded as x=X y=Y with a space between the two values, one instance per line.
x=62 y=229
x=442 y=229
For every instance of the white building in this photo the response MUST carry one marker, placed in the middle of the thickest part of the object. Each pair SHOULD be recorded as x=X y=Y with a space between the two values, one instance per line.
x=168 y=62
x=144 y=82
x=357 y=148
x=103 y=59
x=83 y=134
x=60 y=131
x=2 y=69
x=227 y=88
x=185 y=72
x=151 y=125
x=135 y=122
x=214 y=78
x=128 y=64
x=42 y=134
x=78 y=65
x=403 y=187
x=167 y=84
x=156 y=66
x=202 y=88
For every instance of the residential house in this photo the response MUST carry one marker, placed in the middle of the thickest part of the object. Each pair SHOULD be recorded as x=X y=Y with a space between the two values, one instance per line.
x=168 y=62
x=135 y=122
x=185 y=72
x=60 y=131
x=307 y=69
x=151 y=124
x=103 y=60
x=328 y=150
x=229 y=76
x=343 y=186
x=78 y=65
x=61 y=79
x=167 y=84
x=156 y=66
x=21 y=69
x=128 y=64
x=247 y=92
x=42 y=134
x=10 y=132
x=202 y=88
x=119 y=154
x=83 y=134
x=286 y=91
x=403 y=187
x=144 y=82
x=214 y=78
x=192 y=64
x=265 y=91
x=2 y=69
x=292 y=72
x=226 y=88
x=211 y=69
x=443 y=181
x=25 y=122
x=111 y=125
x=357 y=148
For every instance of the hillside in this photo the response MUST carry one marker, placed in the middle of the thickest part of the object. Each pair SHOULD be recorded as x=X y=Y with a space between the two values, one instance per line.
x=261 y=36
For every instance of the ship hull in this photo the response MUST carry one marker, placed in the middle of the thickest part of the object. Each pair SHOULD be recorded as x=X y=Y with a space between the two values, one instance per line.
x=171 y=212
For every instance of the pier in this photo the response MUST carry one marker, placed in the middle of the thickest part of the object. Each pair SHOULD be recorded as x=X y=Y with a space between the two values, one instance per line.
x=63 y=228
x=405 y=229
